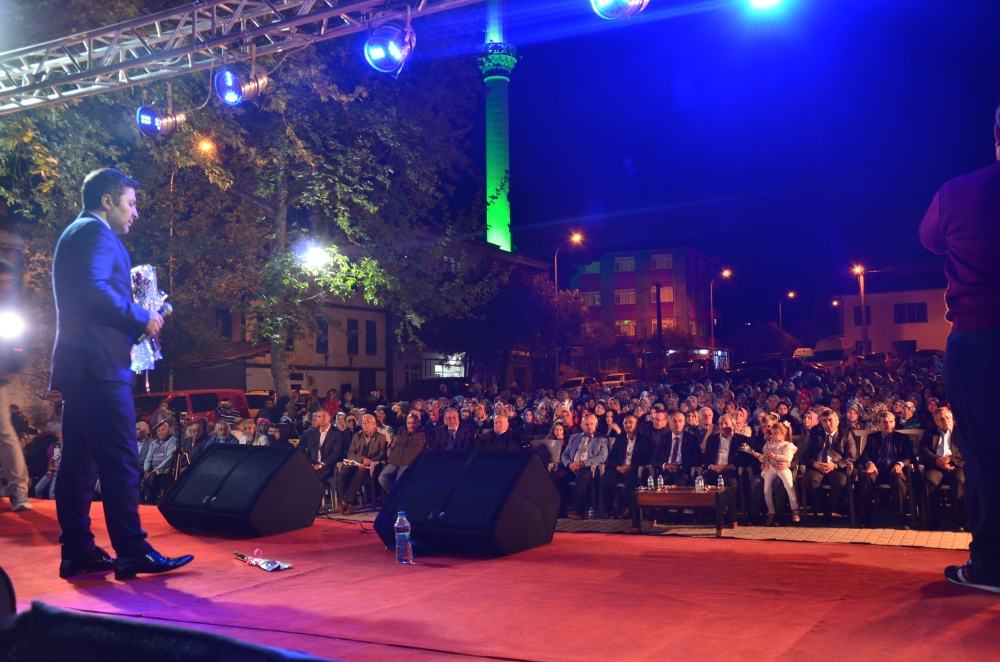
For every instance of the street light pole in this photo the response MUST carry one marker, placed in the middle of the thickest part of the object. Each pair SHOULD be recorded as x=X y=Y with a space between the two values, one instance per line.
x=575 y=239
x=860 y=271
x=726 y=273
x=791 y=295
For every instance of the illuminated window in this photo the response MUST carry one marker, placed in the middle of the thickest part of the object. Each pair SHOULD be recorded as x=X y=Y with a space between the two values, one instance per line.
x=591 y=298
x=592 y=268
x=666 y=294
x=665 y=261
x=625 y=327
x=625 y=263
x=624 y=297
x=668 y=324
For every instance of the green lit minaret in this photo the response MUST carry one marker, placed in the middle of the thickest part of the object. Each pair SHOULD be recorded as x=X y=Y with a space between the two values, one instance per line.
x=496 y=61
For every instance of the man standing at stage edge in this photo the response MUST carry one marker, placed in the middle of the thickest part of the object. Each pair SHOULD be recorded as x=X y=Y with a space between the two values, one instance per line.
x=97 y=323
x=963 y=222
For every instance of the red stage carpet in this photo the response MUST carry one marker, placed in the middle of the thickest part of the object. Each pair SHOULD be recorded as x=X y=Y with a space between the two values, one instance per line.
x=584 y=597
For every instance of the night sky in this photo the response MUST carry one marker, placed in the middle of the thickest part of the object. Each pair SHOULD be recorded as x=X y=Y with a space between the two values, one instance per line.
x=789 y=147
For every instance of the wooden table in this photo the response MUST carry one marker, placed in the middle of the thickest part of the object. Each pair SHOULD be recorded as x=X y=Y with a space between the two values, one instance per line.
x=723 y=501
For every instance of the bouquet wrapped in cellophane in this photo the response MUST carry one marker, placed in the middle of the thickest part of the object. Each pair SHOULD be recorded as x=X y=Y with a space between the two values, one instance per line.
x=146 y=353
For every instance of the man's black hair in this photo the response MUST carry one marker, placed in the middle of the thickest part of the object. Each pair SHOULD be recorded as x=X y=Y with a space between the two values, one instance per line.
x=104 y=181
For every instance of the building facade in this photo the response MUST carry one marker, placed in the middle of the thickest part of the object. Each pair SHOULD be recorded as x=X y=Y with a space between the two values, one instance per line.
x=619 y=289
x=899 y=322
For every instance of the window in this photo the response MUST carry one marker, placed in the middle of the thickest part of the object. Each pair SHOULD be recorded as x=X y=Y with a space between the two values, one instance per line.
x=692 y=327
x=224 y=323
x=857 y=315
x=322 y=336
x=592 y=268
x=668 y=324
x=591 y=298
x=202 y=402
x=909 y=313
x=625 y=327
x=371 y=338
x=665 y=261
x=624 y=297
x=411 y=372
x=352 y=337
x=625 y=263
x=666 y=294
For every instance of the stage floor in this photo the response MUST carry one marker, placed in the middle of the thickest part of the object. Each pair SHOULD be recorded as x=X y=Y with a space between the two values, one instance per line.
x=584 y=597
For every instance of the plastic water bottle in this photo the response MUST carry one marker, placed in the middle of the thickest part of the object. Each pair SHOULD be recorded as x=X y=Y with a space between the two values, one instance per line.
x=699 y=484
x=404 y=550
x=659 y=482
x=591 y=514
x=721 y=483
x=649 y=482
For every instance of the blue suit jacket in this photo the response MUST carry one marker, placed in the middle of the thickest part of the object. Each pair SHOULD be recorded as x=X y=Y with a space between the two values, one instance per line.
x=96 y=320
x=597 y=451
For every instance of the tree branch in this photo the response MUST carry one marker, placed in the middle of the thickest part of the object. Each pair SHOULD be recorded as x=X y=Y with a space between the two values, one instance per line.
x=254 y=201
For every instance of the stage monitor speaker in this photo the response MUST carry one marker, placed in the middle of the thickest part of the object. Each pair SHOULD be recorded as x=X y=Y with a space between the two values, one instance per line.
x=8 y=602
x=46 y=634
x=246 y=491
x=489 y=503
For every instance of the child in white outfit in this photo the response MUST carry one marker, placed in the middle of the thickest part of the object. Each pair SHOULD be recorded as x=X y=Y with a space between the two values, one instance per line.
x=779 y=449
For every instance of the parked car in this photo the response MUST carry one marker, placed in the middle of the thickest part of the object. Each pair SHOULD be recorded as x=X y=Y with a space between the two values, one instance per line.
x=688 y=370
x=619 y=380
x=835 y=356
x=583 y=382
x=256 y=400
x=198 y=404
x=880 y=362
x=431 y=388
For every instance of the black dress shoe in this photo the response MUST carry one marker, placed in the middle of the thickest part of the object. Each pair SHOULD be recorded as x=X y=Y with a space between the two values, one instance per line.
x=152 y=563
x=96 y=561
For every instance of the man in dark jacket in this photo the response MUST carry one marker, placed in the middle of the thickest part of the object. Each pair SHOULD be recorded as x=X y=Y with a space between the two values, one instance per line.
x=722 y=456
x=677 y=453
x=97 y=324
x=500 y=438
x=829 y=460
x=405 y=446
x=631 y=449
x=322 y=444
x=452 y=436
x=887 y=454
x=942 y=457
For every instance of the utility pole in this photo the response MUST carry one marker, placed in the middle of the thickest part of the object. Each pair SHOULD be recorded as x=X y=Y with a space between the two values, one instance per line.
x=860 y=271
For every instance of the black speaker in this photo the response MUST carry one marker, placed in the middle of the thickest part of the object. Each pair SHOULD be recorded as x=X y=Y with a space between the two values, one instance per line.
x=246 y=491
x=8 y=602
x=490 y=503
x=46 y=634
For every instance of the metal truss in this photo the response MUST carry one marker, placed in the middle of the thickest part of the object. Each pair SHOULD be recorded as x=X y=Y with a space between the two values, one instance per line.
x=191 y=38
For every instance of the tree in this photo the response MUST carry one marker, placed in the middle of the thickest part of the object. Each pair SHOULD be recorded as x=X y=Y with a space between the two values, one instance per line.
x=232 y=198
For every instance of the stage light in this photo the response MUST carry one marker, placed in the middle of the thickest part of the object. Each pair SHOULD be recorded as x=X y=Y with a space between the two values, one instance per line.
x=612 y=9
x=206 y=146
x=315 y=258
x=235 y=84
x=11 y=325
x=764 y=4
x=388 y=47
x=154 y=122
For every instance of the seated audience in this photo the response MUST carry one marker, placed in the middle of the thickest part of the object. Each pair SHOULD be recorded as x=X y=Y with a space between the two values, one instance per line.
x=584 y=451
x=677 y=452
x=630 y=451
x=366 y=452
x=942 y=459
x=829 y=459
x=883 y=461
x=405 y=446
x=158 y=462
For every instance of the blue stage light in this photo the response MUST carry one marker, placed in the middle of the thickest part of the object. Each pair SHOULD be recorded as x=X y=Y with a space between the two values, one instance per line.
x=764 y=4
x=612 y=9
x=234 y=84
x=388 y=47
x=154 y=122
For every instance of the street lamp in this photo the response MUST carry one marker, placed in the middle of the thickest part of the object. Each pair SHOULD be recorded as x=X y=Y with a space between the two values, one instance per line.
x=726 y=273
x=575 y=238
x=859 y=271
x=836 y=303
x=790 y=295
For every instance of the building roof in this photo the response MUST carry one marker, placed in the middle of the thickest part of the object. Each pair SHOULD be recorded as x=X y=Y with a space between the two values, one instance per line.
x=903 y=278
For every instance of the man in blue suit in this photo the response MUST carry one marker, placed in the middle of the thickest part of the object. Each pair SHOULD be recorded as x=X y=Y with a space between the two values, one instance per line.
x=97 y=324
x=584 y=451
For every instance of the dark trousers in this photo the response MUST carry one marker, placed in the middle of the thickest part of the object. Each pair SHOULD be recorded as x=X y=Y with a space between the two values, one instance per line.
x=971 y=364
x=609 y=482
x=98 y=429
x=349 y=481
x=154 y=485
x=836 y=479
x=867 y=483
x=578 y=495
x=955 y=480
x=679 y=477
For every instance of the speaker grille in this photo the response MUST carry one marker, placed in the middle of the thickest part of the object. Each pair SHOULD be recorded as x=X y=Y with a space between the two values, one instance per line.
x=238 y=494
x=206 y=481
x=425 y=494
